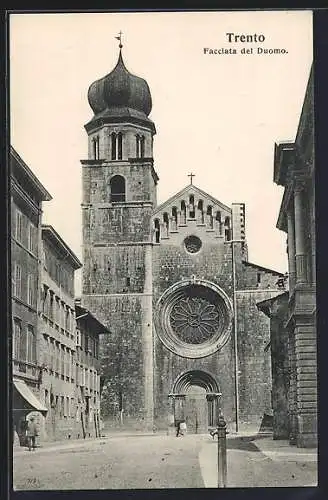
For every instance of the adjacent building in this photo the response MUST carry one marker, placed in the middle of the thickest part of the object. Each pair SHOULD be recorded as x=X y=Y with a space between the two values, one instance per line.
x=173 y=280
x=27 y=196
x=87 y=366
x=57 y=328
x=68 y=350
x=294 y=323
x=55 y=353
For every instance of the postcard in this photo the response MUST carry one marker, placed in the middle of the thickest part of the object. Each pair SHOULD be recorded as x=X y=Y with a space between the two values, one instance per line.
x=163 y=250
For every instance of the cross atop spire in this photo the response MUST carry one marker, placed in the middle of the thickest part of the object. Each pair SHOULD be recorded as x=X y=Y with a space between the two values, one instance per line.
x=191 y=175
x=119 y=37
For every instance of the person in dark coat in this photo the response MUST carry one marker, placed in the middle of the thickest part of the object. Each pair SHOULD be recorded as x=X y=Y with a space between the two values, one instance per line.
x=31 y=433
x=178 y=432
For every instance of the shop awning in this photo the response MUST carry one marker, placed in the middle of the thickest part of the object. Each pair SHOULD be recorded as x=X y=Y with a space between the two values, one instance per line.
x=26 y=400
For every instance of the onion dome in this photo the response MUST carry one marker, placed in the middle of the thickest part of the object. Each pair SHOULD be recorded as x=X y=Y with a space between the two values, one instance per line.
x=118 y=91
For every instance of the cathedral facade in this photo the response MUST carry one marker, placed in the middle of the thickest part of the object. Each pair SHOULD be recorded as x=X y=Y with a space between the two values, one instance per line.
x=172 y=282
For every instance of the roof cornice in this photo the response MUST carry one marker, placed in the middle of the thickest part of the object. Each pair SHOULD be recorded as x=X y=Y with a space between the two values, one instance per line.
x=26 y=171
x=49 y=233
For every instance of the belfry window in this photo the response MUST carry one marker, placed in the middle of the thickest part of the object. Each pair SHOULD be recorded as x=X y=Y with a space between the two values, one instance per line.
x=95 y=146
x=113 y=146
x=137 y=147
x=117 y=188
x=116 y=146
x=119 y=146
x=140 y=146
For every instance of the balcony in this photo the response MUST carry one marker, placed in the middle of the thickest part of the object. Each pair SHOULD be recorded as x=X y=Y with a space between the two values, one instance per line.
x=25 y=369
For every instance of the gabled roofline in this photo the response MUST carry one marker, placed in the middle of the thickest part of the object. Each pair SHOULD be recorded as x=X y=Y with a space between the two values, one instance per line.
x=265 y=305
x=86 y=314
x=49 y=233
x=272 y=271
x=186 y=189
x=44 y=194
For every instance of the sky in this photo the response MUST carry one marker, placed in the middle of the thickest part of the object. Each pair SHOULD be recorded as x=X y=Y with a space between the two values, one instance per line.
x=217 y=115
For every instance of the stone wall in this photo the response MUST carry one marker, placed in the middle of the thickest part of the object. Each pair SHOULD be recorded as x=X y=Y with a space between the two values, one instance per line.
x=122 y=353
x=139 y=181
x=254 y=363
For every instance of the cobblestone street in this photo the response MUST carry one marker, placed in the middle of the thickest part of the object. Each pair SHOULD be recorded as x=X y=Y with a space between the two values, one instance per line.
x=114 y=463
x=160 y=461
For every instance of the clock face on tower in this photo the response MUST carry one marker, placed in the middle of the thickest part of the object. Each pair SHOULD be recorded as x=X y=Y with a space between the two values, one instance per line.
x=193 y=318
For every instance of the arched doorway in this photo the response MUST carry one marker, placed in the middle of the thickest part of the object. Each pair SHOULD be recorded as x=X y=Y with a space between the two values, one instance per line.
x=195 y=398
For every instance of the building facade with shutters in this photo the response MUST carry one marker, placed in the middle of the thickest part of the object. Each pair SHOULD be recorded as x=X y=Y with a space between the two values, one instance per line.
x=27 y=196
x=173 y=280
x=55 y=356
x=57 y=327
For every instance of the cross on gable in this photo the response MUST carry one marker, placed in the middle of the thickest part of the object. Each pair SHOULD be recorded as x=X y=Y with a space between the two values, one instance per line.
x=191 y=175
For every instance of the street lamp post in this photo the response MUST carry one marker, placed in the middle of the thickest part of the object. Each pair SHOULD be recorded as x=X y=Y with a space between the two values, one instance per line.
x=222 y=451
x=221 y=433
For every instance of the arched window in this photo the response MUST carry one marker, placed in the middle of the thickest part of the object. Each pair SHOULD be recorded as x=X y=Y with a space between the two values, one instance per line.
x=119 y=146
x=227 y=229
x=183 y=212
x=166 y=223
x=157 y=230
x=117 y=188
x=174 y=218
x=200 y=212
x=209 y=216
x=218 y=221
x=137 y=146
x=113 y=146
x=191 y=206
x=142 y=146
x=95 y=148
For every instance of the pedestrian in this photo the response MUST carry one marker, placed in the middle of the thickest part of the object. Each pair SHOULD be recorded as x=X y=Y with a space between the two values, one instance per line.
x=178 y=433
x=183 y=427
x=31 y=433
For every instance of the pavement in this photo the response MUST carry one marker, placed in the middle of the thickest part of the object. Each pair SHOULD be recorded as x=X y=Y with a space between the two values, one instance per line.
x=154 y=460
x=255 y=460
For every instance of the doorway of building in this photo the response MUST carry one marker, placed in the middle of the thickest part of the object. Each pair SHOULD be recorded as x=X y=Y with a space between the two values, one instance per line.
x=196 y=414
x=195 y=398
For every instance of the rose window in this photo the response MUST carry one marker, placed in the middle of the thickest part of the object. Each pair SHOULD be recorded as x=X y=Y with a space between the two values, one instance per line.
x=194 y=319
x=192 y=244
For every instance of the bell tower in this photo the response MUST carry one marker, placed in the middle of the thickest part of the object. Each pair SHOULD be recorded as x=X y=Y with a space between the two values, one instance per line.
x=119 y=196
